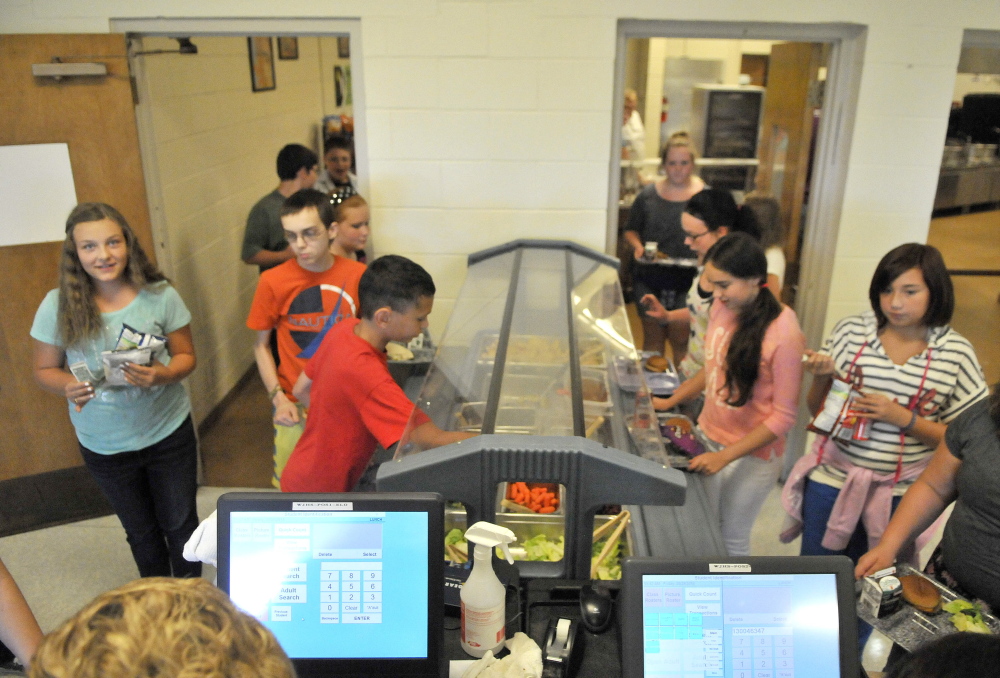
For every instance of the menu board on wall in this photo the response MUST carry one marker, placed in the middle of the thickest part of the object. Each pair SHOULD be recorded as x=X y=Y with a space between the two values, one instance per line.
x=36 y=193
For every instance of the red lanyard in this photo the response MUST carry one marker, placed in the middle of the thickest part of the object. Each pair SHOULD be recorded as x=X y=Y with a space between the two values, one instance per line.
x=914 y=404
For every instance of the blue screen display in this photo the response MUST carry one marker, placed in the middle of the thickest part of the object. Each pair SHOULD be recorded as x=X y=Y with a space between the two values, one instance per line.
x=741 y=626
x=334 y=584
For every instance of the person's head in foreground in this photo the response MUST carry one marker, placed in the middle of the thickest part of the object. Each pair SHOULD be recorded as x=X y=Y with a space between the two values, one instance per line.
x=162 y=628
x=959 y=655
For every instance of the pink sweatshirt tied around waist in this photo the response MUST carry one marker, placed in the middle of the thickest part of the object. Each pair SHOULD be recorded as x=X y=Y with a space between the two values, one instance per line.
x=866 y=496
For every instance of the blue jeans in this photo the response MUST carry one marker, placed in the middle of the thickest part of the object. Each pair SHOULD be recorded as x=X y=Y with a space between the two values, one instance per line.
x=153 y=492
x=817 y=504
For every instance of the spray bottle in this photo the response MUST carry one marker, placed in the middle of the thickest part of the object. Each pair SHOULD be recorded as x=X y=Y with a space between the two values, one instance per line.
x=484 y=607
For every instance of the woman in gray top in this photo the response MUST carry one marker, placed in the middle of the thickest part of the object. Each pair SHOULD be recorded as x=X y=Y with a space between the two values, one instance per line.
x=656 y=216
x=964 y=470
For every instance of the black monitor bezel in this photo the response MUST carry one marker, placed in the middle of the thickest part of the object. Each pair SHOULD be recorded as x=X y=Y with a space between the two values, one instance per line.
x=423 y=502
x=630 y=605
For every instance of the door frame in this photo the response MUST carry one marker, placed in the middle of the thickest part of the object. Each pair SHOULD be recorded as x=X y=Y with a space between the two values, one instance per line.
x=833 y=143
x=242 y=27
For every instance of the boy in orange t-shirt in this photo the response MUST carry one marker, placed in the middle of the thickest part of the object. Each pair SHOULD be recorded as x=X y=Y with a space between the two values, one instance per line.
x=300 y=300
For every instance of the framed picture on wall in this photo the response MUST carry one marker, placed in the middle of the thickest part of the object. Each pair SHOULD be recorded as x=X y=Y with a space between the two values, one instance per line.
x=288 y=48
x=261 y=63
x=344 y=47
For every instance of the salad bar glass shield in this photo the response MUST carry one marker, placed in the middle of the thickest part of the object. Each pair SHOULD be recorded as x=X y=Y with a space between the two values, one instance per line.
x=539 y=348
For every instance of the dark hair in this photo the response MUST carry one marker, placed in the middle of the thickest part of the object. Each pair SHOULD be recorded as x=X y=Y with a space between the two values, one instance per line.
x=309 y=197
x=292 y=158
x=717 y=208
x=393 y=281
x=78 y=315
x=337 y=141
x=928 y=259
x=739 y=255
x=957 y=655
x=767 y=212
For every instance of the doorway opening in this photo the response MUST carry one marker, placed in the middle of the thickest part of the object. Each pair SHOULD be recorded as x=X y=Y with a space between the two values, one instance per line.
x=775 y=155
x=966 y=216
x=210 y=125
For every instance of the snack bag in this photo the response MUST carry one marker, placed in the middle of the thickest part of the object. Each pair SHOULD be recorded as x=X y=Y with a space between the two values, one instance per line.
x=837 y=418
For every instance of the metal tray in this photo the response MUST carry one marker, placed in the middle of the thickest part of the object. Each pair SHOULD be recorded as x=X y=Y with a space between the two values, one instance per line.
x=910 y=628
x=525 y=526
x=679 y=459
x=502 y=493
x=522 y=420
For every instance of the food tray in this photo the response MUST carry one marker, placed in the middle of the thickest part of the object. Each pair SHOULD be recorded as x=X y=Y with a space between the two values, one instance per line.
x=910 y=628
x=660 y=383
x=678 y=459
x=502 y=494
x=521 y=420
x=628 y=374
x=596 y=406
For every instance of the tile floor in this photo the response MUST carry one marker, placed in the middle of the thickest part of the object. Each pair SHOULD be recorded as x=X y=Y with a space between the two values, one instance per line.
x=61 y=568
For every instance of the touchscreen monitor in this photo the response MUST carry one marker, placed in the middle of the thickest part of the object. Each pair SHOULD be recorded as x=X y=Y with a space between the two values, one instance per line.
x=350 y=584
x=739 y=618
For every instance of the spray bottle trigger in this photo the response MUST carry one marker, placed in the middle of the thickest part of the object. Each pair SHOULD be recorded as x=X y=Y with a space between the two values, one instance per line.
x=506 y=552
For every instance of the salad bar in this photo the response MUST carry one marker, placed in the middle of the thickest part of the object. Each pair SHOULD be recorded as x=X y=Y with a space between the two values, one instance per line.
x=538 y=353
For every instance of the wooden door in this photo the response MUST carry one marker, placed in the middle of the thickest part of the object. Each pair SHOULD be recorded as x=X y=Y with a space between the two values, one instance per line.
x=96 y=118
x=790 y=103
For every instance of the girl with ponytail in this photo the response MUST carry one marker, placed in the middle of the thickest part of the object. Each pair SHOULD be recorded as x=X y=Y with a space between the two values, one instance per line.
x=751 y=379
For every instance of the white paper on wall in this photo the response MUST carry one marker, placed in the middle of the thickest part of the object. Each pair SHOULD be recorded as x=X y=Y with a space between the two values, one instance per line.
x=36 y=193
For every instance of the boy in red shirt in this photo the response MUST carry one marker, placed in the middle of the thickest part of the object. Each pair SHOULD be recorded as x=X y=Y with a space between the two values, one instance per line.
x=301 y=299
x=354 y=403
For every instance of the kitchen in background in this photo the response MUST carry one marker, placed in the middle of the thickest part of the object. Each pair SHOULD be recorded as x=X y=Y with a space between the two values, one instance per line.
x=966 y=218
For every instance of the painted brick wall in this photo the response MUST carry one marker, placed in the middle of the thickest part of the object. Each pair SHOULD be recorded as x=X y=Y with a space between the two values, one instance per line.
x=215 y=144
x=489 y=120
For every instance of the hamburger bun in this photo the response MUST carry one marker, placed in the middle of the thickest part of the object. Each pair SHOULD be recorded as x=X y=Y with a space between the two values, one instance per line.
x=920 y=593
x=657 y=363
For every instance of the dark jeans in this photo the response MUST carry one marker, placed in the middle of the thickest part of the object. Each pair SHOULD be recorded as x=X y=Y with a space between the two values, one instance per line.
x=817 y=504
x=152 y=491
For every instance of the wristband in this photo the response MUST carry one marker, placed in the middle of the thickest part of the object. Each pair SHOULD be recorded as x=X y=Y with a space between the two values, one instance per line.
x=274 y=391
x=913 y=421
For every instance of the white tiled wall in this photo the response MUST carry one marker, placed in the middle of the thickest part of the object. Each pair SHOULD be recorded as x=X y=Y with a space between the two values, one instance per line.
x=537 y=77
x=215 y=146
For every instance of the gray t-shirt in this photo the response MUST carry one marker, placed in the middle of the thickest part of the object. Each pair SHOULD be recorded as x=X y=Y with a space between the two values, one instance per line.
x=659 y=220
x=971 y=541
x=264 y=231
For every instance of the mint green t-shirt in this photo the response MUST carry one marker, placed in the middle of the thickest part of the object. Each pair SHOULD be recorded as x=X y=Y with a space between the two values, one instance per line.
x=123 y=418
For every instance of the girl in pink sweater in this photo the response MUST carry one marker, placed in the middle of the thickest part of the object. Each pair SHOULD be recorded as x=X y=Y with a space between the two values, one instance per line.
x=751 y=379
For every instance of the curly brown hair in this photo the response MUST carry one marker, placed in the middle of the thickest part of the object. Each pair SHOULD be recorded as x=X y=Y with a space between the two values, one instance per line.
x=79 y=317
x=162 y=627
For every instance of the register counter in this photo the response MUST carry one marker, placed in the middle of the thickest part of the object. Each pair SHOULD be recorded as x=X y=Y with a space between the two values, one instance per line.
x=539 y=348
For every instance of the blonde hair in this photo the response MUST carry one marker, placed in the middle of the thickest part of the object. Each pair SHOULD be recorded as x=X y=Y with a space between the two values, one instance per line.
x=78 y=316
x=353 y=202
x=678 y=140
x=162 y=627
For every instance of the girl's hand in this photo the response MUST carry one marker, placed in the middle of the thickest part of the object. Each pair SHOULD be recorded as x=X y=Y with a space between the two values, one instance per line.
x=664 y=404
x=146 y=376
x=709 y=463
x=880 y=408
x=653 y=308
x=873 y=561
x=639 y=252
x=819 y=364
x=79 y=393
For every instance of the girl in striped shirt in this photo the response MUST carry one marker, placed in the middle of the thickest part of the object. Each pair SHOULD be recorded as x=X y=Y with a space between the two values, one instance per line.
x=916 y=374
